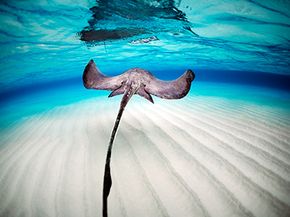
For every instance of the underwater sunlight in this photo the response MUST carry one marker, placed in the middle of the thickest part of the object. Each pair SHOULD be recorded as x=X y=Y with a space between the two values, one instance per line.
x=206 y=130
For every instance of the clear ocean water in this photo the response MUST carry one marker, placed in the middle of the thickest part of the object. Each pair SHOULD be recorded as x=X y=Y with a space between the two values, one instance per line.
x=238 y=49
x=221 y=151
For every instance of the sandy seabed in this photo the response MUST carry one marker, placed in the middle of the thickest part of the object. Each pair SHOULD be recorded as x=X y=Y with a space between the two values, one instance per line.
x=199 y=156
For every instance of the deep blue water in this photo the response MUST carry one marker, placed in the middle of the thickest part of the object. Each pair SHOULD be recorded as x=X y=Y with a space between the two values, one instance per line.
x=45 y=46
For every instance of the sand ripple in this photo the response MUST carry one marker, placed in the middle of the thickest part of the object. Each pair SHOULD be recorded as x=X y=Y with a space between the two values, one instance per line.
x=194 y=157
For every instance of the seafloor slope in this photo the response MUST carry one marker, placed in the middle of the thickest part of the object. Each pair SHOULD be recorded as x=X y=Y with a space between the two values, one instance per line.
x=199 y=156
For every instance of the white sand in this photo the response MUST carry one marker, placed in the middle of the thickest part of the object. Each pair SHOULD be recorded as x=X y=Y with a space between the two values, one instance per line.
x=199 y=156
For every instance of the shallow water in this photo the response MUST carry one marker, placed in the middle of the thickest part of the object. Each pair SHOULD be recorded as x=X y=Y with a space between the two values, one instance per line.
x=232 y=128
x=20 y=107
x=43 y=44
x=40 y=41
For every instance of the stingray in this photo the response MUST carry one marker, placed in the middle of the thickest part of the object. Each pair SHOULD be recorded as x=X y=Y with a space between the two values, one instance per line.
x=133 y=81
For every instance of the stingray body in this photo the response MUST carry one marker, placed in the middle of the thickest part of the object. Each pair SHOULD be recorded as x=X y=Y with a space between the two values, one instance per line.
x=133 y=81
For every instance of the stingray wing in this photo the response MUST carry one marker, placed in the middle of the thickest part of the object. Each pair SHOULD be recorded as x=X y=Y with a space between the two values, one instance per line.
x=94 y=79
x=171 y=89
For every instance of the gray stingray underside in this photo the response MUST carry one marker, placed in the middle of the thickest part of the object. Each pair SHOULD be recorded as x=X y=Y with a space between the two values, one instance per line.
x=133 y=81
x=176 y=89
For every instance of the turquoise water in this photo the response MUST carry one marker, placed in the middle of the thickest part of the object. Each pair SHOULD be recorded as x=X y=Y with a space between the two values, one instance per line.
x=223 y=150
x=20 y=107
x=44 y=48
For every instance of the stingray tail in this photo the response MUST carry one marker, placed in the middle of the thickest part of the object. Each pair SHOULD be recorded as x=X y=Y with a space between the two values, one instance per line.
x=107 y=175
